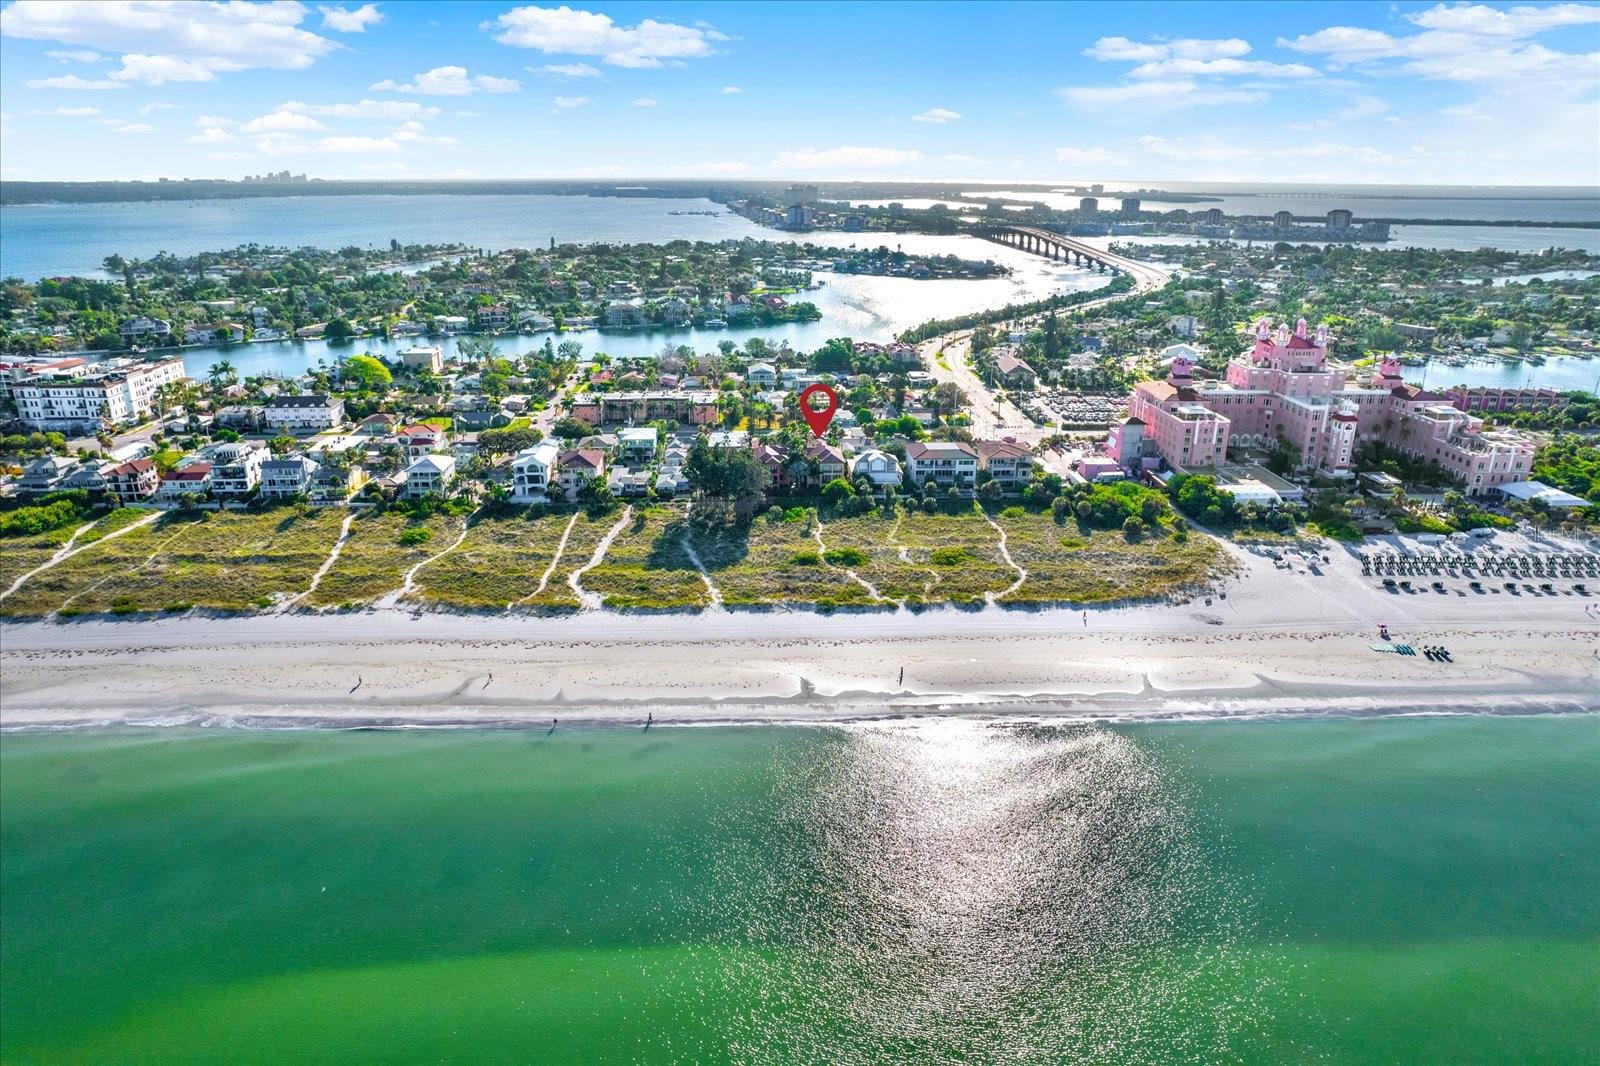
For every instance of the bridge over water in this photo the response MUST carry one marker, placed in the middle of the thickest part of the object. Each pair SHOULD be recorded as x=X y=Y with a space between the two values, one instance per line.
x=1054 y=245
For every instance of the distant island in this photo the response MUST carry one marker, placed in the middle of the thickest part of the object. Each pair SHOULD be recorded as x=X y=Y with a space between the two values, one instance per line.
x=13 y=193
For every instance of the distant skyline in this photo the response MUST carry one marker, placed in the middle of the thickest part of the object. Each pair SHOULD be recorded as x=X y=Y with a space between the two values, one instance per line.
x=1406 y=93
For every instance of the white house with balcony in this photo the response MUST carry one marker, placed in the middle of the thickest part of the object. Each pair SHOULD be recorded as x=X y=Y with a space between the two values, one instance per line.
x=943 y=462
x=430 y=475
x=236 y=468
x=287 y=477
x=878 y=467
x=533 y=471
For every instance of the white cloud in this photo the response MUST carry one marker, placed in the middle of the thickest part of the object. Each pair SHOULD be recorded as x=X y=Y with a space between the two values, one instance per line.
x=1516 y=22
x=156 y=105
x=282 y=122
x=229 y=155
x=1158 y=95
x=215 y=122
x=937 y=116
x=449 y=81
x=159 y=70
x=1115 y=49
x=353 y=145
x=1221 y=68
x=75 y=55
x=565 y=70
x=567 y=103
x=1089 y=157
x=401 y=110
x=160 y=41
x=414 y=133
x=645 y=101
x=72 y=81
x=848 y=156
x=211 y=135
x=69 y=112
x=350 y=20
x=131 y=127
x=564 y=30
x=732 y=90
x=1467 y=43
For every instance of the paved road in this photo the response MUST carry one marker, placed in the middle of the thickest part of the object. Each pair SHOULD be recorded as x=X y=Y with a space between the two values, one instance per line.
x=994 y=417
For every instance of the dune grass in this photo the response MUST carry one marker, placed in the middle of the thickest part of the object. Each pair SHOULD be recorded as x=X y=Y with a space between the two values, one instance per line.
x=500 y=561
x=242 y=561
x=18 y=555
x=647 y=565
x=375 y=560
x=1066 y=564
x=773 y=562
x=587 y=532
x=230 y=561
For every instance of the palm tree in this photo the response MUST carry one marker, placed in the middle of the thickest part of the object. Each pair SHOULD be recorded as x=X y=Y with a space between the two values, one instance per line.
x=222 y=373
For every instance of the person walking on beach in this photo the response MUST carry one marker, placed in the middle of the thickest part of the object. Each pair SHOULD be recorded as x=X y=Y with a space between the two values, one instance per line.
x=902 y=681
x=488 y=679
x=357 y=684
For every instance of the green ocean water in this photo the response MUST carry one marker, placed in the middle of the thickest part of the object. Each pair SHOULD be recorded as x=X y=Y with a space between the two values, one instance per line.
x=1396 y=890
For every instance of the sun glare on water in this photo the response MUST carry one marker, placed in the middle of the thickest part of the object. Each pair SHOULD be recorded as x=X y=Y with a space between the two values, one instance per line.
x=959 y=891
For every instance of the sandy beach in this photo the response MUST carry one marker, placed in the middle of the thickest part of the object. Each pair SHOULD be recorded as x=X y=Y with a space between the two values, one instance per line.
x=1270 y=641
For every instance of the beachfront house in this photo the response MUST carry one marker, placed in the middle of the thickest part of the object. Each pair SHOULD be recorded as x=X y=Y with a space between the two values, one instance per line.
x=878 y=467
x=134 y=479
x=287 y=476
x=1006 y=462
x=830 y=462
x=430 y=475
x=236 y=468
x=533 y=471
x=945 y=463
x=577 y=467
x=194 y=479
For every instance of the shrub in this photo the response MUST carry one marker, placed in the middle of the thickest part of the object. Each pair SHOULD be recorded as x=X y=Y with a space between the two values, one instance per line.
x=805 y=559
x=1014 y=512
x=846 y=556
x=415 y=535
x=951 y=556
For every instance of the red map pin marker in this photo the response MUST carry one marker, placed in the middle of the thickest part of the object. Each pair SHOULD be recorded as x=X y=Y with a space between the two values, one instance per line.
x=818 y=420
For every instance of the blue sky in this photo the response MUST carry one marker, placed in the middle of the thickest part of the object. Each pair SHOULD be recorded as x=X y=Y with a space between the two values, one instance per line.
x=1357 y=92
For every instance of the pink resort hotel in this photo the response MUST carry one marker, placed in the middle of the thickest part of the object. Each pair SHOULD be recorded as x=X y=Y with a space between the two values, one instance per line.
x=1283 y=388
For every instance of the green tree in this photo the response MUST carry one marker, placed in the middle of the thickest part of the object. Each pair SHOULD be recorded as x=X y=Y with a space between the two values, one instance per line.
x=366 y=373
